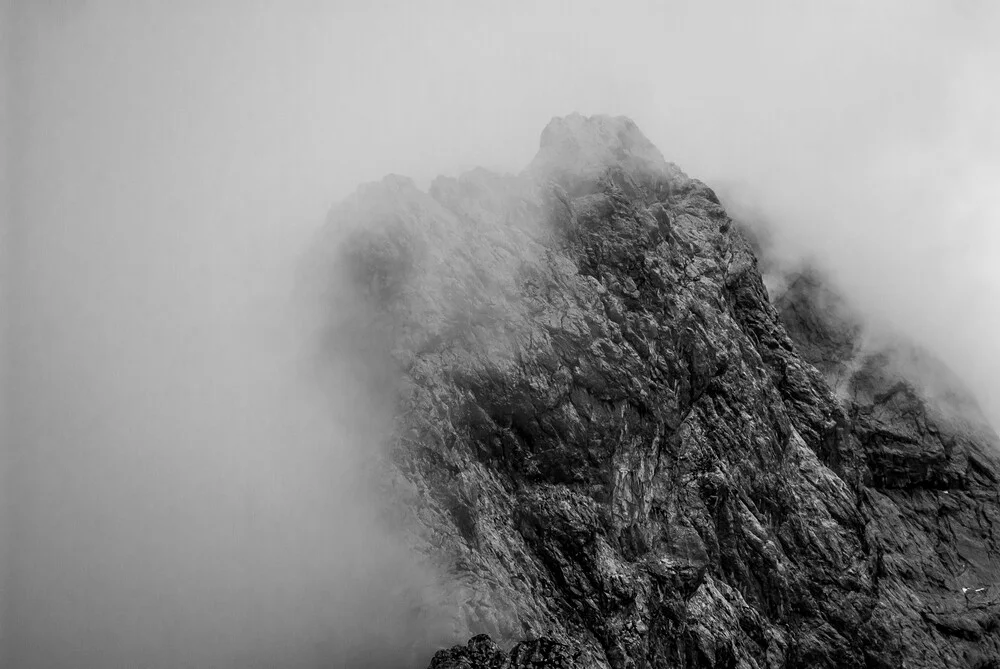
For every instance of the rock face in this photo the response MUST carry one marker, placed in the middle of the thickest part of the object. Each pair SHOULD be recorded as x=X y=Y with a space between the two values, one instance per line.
x=624 y=455
x=931 y=499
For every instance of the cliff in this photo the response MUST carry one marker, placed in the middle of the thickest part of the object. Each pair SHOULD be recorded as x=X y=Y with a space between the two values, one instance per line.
x=624 y=454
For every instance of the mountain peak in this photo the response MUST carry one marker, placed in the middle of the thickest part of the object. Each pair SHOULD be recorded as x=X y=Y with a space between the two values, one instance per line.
x=584 y=146
x=610 y=435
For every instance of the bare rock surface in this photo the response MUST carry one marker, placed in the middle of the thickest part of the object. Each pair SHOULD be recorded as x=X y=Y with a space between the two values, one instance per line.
x=622 y=454
x=931 y=502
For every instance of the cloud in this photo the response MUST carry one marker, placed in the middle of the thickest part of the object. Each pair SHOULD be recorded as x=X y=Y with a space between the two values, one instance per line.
x=169 y=162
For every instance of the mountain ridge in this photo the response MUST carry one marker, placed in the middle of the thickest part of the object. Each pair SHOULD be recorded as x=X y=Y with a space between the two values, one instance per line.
x=624 y=454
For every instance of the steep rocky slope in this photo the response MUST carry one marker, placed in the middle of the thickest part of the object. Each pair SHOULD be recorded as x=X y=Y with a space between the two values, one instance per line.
x=623 y=455
x=931 y=502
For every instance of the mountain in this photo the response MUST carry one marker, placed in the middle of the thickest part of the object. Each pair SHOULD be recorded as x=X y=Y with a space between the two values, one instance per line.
x=624 y=453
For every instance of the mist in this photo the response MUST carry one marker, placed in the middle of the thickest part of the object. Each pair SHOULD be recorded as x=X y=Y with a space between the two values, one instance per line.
x=181 y=491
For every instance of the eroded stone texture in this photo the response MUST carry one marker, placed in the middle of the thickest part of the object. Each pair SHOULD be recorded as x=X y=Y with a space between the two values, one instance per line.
x=611 y=443
x=932 y=503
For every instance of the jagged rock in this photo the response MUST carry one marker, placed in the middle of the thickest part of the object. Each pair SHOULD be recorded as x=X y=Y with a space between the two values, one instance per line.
x=614 y=444
x=932 y=506
x=482 y=653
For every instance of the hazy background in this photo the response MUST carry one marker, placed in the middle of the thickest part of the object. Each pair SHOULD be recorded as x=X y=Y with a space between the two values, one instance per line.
x=178 y=496
x=5 y=129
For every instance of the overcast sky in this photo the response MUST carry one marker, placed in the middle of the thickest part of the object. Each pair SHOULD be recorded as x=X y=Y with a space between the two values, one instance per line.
x=169 y=160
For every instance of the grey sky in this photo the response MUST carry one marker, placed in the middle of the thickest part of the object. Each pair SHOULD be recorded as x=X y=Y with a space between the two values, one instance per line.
x=170 y=159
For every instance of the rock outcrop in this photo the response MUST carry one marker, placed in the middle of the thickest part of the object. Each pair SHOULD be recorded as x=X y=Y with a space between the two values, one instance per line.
x=482 y=651
x=624 y=455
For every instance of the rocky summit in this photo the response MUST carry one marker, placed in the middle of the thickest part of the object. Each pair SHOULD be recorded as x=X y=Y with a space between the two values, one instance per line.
x=624 y=453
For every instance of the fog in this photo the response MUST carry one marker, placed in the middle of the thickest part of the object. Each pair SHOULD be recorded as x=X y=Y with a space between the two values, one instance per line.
x=180 y=490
